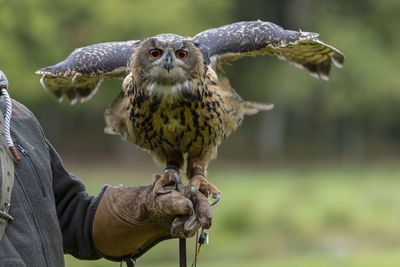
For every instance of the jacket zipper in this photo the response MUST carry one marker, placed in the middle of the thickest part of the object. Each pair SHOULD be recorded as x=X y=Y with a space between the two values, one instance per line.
x=35 y=172
x=30 y=211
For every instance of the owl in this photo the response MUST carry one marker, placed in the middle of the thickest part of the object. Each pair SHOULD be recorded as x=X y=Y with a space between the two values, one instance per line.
x=176 y=103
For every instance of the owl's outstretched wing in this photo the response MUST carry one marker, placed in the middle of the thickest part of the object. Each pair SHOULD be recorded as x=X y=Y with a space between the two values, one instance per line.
x=250 y=38
x=81 y=73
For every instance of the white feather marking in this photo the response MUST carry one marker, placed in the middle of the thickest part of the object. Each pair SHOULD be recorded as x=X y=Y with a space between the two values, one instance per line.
x=162 y=89
x=73 y=101
x=76 y=75
x=313 y=74
x=280 y=57
x=42 y=83
x=324 y=76
x=297 y=65
x=337 y=63
x=94 y=91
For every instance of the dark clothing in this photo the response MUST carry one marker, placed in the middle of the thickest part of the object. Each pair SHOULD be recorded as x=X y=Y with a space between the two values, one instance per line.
x=53 y=213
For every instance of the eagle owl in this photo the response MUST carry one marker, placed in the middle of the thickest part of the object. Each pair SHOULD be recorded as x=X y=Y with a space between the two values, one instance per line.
x=176 y=102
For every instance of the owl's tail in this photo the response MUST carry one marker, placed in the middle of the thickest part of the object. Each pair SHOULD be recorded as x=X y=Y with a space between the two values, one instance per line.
x=251 y=108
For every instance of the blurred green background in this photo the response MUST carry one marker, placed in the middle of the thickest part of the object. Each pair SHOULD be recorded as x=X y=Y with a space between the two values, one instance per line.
x=314 y=182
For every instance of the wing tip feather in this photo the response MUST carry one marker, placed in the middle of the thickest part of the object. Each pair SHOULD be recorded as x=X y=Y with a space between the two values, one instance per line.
x=45 y=71
x=84 y=99
x=338 y=59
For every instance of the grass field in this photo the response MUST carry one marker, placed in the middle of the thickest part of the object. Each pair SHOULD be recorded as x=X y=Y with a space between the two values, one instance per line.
x=299 y=216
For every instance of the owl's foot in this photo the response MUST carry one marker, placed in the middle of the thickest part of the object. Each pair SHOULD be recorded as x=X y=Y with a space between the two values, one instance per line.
x=199 y=182
x=170 y=177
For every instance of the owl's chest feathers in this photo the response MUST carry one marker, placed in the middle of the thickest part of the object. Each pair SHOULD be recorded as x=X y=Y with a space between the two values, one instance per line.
x=179 y=117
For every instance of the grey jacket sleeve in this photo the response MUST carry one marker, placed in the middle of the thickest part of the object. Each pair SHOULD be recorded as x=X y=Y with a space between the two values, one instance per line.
x=75 y=210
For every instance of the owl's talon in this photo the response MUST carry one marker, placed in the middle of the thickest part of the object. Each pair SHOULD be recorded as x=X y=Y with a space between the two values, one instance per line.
x=217 y=198
x=163 y=192
x=200 y=183
x=168 y=179
x=176 y=178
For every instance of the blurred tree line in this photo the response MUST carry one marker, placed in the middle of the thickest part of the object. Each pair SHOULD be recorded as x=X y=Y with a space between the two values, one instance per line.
x=355 y=116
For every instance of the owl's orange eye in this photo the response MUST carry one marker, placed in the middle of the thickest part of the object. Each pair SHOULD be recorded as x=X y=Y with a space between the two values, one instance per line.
x=155 y=53
x=182 y=54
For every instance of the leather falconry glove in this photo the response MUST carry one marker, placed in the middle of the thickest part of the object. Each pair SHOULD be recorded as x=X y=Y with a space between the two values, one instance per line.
x=129 y=220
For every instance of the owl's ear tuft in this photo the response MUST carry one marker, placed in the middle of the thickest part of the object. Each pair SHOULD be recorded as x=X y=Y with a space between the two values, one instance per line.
x=205 y=51
x=152 y=40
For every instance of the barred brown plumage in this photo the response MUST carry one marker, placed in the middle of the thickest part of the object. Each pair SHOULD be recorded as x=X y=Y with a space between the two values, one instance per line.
x=175 y=101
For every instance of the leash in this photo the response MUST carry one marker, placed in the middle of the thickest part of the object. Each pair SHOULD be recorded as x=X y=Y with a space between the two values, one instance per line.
x=200 y=240
x=182 y=252
x=203 y=239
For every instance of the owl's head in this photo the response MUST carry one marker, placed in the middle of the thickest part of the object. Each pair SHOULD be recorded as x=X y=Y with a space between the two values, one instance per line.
x=167 y=60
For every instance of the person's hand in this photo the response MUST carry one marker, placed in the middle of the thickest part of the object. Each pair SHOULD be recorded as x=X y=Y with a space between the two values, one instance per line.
x=131 y=219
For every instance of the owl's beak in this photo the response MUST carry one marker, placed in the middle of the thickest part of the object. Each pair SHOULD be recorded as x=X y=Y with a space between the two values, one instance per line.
x=168 y=63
